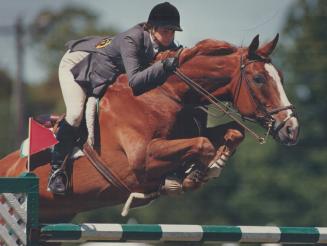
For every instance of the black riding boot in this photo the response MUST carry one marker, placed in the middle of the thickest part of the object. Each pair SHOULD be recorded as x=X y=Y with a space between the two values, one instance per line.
x=58 y=180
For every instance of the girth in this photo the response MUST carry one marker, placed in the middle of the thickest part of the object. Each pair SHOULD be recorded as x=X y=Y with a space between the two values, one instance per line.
x=108 y=174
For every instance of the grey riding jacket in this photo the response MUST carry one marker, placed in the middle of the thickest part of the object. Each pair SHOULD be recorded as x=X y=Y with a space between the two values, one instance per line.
x=129 y=52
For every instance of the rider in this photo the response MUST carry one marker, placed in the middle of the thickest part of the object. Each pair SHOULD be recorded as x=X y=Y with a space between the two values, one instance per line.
x=91 y=64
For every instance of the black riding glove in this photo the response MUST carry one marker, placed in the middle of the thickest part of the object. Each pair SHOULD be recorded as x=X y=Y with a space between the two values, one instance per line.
x=170 y=64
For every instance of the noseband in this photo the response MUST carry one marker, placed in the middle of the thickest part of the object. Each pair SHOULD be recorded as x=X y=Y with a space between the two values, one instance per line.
x=265 y=118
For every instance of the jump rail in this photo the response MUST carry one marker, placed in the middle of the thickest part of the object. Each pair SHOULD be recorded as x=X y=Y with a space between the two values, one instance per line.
x=19 y=225
x=181 y=233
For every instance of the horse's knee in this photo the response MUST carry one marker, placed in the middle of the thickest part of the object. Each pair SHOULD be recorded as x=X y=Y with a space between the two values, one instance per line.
x=203 y=144
x=205 y=148
x=234 y=135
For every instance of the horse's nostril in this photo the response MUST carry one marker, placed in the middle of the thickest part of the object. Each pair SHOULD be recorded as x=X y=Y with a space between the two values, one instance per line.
x=289 y=130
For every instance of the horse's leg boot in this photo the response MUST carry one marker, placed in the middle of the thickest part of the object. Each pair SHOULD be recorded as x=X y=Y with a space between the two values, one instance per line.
x=194 y=178
x=58 y=180
x=197 y=176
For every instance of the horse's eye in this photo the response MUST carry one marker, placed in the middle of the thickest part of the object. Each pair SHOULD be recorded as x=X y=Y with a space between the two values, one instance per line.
x=259 y=79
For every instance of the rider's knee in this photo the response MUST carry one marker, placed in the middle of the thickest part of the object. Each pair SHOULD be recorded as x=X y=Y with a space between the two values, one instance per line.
x=74 y=118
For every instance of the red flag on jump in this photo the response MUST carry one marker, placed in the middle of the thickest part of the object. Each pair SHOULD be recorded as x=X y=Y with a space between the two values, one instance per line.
x=40 y=137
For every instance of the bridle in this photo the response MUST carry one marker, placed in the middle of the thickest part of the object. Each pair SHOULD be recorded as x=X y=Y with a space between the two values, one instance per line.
x=265 y=118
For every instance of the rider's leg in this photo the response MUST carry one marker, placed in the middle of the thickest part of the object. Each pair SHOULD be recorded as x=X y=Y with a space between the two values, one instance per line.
x=74 y=98
x=66 y=136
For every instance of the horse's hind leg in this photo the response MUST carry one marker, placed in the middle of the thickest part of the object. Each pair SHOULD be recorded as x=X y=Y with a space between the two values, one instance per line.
x=164 y=156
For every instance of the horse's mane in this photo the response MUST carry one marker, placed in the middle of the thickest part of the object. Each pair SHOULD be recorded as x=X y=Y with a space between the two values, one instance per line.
x=206 y=47
x=212 y=47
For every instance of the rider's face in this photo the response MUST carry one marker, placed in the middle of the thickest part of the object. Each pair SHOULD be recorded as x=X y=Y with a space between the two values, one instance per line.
x=164 y=35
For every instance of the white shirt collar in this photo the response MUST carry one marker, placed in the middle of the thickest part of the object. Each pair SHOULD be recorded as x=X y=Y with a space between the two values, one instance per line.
x=154 y=44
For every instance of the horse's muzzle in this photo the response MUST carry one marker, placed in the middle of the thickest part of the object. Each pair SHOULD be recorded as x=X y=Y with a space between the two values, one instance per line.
x=287 y=132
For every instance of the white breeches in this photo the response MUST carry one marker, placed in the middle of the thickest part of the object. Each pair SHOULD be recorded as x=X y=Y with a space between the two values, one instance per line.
x=74 y=96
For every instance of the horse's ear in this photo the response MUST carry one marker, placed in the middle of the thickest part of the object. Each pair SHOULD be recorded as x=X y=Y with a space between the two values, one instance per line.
x=268 y=48
x=254 y=45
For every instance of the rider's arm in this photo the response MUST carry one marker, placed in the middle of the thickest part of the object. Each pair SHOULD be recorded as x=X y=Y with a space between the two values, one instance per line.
x=140 y=80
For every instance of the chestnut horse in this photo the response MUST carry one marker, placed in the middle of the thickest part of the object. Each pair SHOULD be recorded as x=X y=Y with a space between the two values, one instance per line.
x=143 y=139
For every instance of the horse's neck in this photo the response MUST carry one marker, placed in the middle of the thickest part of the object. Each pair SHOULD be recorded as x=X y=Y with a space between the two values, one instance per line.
x=211 y=73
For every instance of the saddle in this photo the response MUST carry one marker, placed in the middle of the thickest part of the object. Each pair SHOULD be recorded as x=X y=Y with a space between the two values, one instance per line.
x=49 y=120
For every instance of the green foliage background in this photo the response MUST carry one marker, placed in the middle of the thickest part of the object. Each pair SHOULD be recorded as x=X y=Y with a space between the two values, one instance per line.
x=262 y=184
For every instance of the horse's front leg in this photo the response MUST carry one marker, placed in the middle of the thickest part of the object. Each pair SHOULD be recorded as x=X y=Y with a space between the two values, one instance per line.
x=226 y=139
x=166 y=156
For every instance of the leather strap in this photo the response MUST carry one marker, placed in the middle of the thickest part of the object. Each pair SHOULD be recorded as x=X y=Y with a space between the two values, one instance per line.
x=101 y=166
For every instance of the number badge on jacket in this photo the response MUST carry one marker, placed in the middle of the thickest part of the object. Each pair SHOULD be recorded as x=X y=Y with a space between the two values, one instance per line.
x=103 y=43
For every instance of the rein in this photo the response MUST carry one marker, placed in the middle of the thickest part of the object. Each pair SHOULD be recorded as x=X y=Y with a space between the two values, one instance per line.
x=267 y=118
x=219 y=104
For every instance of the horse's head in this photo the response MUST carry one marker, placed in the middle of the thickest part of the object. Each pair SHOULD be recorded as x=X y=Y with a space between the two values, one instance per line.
x=246 y=77
x=258 y=93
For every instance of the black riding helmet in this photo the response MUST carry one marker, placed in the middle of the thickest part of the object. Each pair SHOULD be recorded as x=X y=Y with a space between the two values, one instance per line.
x=165 y=14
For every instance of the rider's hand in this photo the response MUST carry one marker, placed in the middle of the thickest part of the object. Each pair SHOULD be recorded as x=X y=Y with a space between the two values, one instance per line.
x=170 y=64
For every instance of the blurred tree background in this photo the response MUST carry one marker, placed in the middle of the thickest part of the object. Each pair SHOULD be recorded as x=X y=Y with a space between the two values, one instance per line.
x=47 y=34
x=5 y=93
x=262 y=184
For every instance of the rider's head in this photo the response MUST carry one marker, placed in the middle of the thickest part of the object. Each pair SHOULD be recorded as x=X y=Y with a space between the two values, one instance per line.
x=163 y=21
